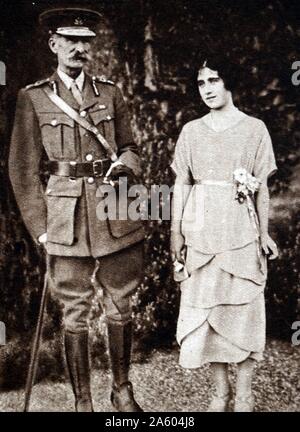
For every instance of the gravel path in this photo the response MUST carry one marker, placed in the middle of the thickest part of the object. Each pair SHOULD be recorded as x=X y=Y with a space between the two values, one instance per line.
x=161 y=385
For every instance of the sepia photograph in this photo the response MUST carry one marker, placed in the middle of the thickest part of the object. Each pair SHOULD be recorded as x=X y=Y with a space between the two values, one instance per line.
x=149 y=208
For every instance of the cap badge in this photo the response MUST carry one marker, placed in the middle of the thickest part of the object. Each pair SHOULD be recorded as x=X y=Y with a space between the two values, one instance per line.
x=78 y=21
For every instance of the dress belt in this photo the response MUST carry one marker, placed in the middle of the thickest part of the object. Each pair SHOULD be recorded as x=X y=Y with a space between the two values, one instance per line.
x=213 y=182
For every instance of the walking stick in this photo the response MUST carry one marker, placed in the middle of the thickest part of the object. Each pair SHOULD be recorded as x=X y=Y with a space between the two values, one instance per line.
x=34 y=357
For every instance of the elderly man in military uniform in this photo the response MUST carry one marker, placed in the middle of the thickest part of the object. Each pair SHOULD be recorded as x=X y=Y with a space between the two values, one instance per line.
x=80 y=125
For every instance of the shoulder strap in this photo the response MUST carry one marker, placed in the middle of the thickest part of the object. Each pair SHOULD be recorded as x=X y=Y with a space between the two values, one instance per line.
x=37 y=84
x=102 y=79
x=58 y=101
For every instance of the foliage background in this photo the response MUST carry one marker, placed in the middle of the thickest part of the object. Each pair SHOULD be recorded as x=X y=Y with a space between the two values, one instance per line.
x=151 y=49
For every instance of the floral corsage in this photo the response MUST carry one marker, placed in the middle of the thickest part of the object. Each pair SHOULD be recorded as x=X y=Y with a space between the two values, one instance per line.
x=247 y=184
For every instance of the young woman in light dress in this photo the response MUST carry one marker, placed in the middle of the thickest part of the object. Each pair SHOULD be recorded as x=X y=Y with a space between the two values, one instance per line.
x=222 y=163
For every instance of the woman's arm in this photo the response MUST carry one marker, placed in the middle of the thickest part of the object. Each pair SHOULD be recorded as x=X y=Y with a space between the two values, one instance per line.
x=264 y=167
x=180 y=195
x=262 y=204
x=181 y=167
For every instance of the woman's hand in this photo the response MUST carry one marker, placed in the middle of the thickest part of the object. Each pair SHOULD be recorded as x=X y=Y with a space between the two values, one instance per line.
x=178 y=248
x=269 y=246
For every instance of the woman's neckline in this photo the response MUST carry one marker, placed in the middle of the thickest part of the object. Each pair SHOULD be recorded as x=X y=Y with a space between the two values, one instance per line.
x=245 y=116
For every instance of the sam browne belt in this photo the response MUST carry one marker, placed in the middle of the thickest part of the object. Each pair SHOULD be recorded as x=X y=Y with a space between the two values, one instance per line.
x=97 y=168
x=74 y=115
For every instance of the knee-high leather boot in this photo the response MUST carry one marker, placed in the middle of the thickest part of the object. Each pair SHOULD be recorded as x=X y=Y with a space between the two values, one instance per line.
x=120 y=341
x=77 y=355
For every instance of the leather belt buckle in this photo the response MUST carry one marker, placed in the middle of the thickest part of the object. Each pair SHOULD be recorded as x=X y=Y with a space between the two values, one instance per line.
x=72 y=170
x=98 y=168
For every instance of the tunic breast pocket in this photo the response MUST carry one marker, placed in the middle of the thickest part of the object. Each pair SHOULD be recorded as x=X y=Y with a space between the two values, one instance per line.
x=58 y=135
x=104 y=119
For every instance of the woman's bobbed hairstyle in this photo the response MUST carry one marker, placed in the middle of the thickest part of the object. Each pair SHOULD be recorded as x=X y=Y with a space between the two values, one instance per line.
x=229 y=71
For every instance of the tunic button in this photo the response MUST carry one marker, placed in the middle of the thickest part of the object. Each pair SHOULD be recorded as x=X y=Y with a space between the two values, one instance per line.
x=91 y=180
x=89 y=157
x=54 y=122
x=49 y=191
x=108 y=117
x=83 y=114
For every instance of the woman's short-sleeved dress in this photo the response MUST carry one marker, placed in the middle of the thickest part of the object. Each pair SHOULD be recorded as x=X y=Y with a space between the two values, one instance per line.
x=222 y=308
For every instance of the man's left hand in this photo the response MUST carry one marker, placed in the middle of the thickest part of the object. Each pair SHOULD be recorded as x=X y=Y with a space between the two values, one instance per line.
x=117 y=170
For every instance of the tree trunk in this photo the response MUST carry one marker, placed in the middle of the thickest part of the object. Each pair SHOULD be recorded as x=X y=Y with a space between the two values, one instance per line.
x=150 y=59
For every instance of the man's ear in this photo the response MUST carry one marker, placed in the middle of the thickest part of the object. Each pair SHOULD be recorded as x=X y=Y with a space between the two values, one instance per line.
x=53 y=44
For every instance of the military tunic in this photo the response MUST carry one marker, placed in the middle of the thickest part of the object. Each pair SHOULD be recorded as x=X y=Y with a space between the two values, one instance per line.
x=67 y=209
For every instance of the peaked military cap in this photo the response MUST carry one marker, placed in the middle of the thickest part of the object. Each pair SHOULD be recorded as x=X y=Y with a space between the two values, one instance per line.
x=71 y=21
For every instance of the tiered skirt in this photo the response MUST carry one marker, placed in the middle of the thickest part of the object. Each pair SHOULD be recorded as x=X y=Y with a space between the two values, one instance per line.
x=222 y=309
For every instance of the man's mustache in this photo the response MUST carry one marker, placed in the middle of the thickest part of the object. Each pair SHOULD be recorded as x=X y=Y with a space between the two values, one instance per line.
x=81 y=56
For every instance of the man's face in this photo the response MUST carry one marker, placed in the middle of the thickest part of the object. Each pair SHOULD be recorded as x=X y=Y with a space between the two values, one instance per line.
x=212 y=89
x=72 y=52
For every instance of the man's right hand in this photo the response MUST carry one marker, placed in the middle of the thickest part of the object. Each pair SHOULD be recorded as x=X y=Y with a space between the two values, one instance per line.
x=42 y=239
x=178 y=248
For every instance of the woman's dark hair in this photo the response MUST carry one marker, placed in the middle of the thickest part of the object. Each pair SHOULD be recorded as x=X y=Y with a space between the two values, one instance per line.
x=229 y=71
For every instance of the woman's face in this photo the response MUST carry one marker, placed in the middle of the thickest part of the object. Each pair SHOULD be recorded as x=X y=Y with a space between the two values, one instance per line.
x=212 y=89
